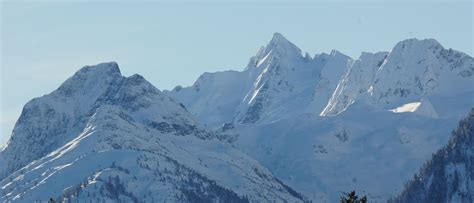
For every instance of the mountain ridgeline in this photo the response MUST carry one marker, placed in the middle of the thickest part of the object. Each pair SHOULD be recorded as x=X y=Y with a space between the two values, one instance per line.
x=105 y=137
x=289 y=127
x=280 y=82
x=302 y=116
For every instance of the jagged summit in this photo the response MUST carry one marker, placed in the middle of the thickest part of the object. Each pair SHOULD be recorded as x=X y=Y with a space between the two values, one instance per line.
x=52 y=120
x=279 y=40
x=102 y=68
x=281 y=45
x=417 y=43
x=279 y=49
x=413 y=70
x=91 y=77
x=123 y=139
x=335 y=105
x=105 y=137
x=411 y=49
x=278 y=37
x=335 y=52
x=334 y=81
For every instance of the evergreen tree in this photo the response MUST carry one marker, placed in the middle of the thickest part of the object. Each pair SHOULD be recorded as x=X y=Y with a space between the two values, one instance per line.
x=351 y=197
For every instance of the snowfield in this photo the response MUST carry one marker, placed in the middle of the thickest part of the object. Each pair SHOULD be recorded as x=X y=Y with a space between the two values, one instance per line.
x=410 y=107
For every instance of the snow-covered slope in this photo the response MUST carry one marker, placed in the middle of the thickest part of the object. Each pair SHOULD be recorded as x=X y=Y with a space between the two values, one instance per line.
x=278 y=82
x=48 y=122
x=355 y=81
x=413 y=71
x=331 y=124
x=217 y=94
x=103 y=136
x=323 y=125
x=449 y=175
x=422 y=68
x=360 y=149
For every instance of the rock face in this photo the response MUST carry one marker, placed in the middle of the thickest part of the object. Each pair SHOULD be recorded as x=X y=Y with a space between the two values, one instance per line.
x=105 y=137
x=304 y=117
x=449 y=175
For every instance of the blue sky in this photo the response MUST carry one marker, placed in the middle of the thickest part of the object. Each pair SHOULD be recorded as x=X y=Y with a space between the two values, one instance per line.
x=45 y=42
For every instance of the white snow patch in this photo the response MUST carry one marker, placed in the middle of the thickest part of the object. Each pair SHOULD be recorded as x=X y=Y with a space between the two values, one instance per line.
x=410 y=107
x=264 y=59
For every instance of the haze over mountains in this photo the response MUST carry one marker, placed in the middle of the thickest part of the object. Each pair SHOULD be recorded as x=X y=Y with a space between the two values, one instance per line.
x=288 y=127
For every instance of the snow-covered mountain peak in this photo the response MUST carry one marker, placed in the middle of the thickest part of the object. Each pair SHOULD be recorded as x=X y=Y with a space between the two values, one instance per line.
x=422 y=68
x=99 y=69
x=336 y=53
x=278 y=50
x=334 y=65
x=52 y=120
x=100 y=125
x=49 y=121
x=267 y=88
x=355 y=80
x=276 y=75
x=278 y=37
x=320 y=60
x=413 y=44
x=413 y=70
x=281 y=45
x=90 y=78
x=395 y=104
x=414 y=49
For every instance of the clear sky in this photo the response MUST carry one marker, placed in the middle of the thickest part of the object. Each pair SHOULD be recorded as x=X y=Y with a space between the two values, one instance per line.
x=45 y=42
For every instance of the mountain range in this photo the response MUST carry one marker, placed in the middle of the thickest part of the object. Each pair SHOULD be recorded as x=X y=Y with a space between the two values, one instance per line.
x=304 y=117
x=289 y=127
x=105 y=137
